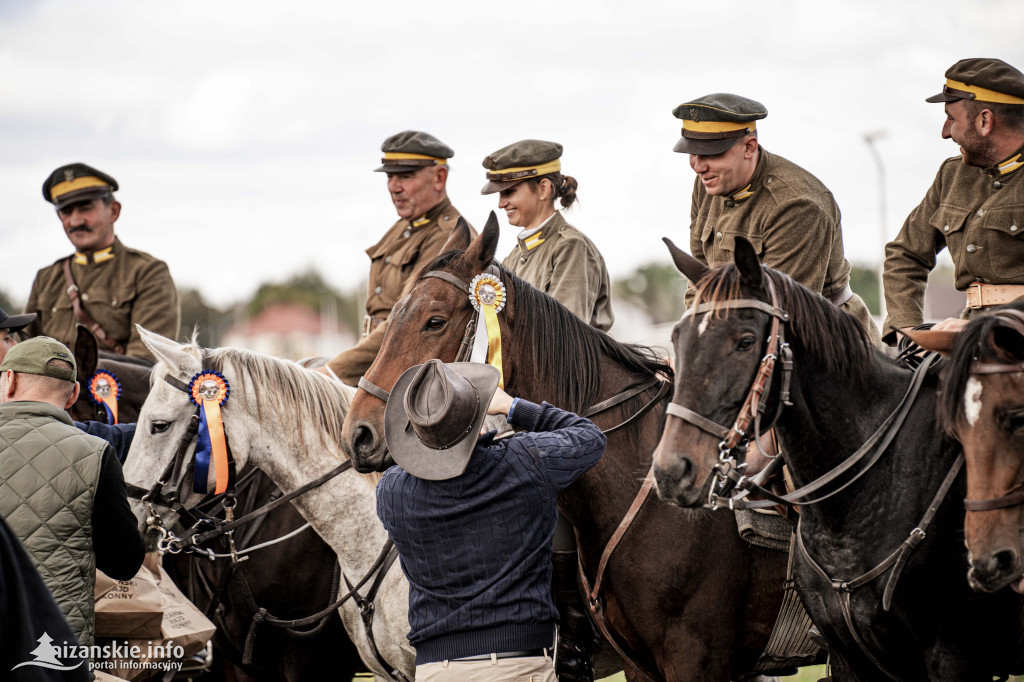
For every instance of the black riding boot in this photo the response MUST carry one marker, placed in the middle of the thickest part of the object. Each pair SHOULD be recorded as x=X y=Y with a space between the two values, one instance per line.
x=577 y=640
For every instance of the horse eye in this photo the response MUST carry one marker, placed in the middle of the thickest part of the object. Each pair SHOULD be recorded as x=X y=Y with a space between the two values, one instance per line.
x=1015 y=422
x=159 y=427
x=434 y=324
x=746 y=343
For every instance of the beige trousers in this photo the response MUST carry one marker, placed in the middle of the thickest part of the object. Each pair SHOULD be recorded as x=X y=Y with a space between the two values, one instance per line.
x=532 y=669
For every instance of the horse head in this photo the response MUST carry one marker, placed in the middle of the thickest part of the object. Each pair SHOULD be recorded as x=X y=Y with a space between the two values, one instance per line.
x=982 y=406
x=429 y=321
x=86 y=359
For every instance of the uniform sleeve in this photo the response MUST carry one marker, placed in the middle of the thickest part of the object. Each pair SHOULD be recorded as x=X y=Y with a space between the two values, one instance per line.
x=565 y=444
x=797 y=235
x=116 y=539
x=156 y=307
x=351 y=364
x=908 y=260
x=576 y=278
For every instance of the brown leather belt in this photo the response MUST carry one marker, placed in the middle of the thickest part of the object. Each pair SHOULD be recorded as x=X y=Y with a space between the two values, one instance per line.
x=371 y=322
x=981 y=295
x=837 y=298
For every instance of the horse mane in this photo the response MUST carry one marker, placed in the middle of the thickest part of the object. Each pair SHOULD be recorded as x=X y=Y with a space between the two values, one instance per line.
x=816 y=328
x=565 y=349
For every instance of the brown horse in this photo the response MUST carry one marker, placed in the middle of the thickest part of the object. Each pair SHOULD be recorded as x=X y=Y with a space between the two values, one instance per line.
x=684 y=596
x=982 y=406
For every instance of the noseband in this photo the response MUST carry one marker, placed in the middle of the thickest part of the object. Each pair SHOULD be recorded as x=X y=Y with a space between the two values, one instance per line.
x=1013 y=319
x=727 y=471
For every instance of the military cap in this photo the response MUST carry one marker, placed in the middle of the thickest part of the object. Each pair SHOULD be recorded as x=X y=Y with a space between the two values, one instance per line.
x=713 y=123
x=411 y=150
x=76 y=182
x=15 y=323
x=521 y=161
x=983 y=80
x=32 y=356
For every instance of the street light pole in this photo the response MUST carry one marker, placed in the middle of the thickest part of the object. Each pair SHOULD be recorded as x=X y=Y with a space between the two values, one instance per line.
x=871 y=138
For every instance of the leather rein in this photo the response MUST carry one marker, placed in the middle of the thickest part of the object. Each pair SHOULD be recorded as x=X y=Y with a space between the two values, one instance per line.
x=1014 y=319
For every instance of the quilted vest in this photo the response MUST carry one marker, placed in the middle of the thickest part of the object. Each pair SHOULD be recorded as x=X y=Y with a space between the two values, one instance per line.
x=48 y=476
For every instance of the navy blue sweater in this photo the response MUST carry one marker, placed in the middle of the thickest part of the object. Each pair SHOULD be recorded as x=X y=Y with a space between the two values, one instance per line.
x=477 y=548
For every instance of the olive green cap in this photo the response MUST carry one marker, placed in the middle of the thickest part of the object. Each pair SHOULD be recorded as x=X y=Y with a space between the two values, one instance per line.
x=411 y=150
x=76 y=182
x=32 y=356
x=983 y=80
x=521 y=161
x=713 y=123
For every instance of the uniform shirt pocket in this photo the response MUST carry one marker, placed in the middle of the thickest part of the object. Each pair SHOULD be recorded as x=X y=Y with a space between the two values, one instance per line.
x=1003 y=244
x=112 y=309
x=729 y=242
x=949 y=221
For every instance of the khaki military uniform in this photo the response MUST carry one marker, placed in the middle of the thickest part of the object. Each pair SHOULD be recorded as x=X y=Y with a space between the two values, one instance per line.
x=792 y=221
x=129 y=288
x=562 y=262
x=404 y=249
x=978 y=214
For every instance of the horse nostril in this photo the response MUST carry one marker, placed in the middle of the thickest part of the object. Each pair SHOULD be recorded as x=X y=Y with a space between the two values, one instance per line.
x=364 y=441
x=1005 y=561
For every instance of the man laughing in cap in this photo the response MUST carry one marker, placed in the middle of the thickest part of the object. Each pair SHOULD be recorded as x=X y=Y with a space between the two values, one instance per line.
x=974 y=206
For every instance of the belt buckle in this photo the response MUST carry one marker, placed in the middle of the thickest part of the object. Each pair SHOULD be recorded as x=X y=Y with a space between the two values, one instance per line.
x=367 y=324
x=975 y=296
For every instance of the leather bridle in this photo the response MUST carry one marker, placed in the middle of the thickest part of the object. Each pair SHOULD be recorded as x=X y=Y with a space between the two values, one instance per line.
x=1014 y=319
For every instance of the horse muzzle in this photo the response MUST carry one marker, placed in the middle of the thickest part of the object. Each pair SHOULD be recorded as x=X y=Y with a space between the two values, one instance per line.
x=368 y=450
x=676 y=476
x=995 y=570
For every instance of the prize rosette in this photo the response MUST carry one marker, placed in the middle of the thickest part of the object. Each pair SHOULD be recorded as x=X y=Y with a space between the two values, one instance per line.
x=487 y=294
x=209 y=390
x=105 y=389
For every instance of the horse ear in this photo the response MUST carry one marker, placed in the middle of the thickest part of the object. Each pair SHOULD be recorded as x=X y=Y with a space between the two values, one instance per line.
x=168 y=352
x=459 y=239
x=691 y=268
x=941 y=341
x=748 y=264
x=86 y=353
x=1008 y=343
x=481 y=252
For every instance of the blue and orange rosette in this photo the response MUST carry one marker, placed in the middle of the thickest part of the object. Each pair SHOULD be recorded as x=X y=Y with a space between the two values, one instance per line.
x=209 y=391
x=105 y=389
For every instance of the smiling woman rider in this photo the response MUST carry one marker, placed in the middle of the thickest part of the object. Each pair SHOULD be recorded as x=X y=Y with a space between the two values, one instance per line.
x=550 y=254
x=561 y=261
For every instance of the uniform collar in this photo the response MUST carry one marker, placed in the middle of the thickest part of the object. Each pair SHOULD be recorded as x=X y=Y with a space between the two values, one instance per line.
x=1008 y=166
x=756 y=180
x=98 y=256
x=528 y=240
x=431 y=215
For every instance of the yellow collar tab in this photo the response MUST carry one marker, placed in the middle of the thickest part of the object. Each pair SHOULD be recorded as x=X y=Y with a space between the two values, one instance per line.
x=1010 y=165
x=520 y=172
x=534 y=240
x=420 y=221
x=404 y=156
x=744 y=193
x=979 y=94
x=100 y=256
x=718 y=126
x=84 y=182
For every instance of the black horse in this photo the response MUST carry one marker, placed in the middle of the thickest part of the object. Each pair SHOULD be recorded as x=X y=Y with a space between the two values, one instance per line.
x=882 y=578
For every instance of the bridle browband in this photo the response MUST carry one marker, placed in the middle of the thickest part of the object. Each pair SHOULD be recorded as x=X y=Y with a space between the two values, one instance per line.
x=1014 y=319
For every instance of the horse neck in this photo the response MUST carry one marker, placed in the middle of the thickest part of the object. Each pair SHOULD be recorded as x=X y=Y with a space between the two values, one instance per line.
x=342 y=510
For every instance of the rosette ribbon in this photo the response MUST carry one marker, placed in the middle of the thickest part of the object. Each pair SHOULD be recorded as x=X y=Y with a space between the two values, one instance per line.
x=487 y=294
x=105 y=389
x=209 y=391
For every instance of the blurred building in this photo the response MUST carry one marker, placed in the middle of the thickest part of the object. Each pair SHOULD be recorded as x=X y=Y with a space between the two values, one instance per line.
x=292 y=331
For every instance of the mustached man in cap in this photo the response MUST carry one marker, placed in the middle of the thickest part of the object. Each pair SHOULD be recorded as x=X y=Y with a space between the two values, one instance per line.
x=473 y=519
x=975 y=206
x=61 y=491
x=742 y=190
x=104 y=285
x=416 y=165
x=550 y=254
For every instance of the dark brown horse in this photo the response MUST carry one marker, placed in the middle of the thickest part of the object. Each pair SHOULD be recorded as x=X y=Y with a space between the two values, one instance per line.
x=881 y=560
x=982 y=406
x=132 y=374
x=683 y=594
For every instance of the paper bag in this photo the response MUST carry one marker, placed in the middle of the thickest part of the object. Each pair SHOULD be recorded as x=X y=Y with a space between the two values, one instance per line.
x=183 y=624
x=128 y=608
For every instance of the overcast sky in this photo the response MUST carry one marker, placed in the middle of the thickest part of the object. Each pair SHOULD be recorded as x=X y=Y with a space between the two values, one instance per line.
x=243 y=133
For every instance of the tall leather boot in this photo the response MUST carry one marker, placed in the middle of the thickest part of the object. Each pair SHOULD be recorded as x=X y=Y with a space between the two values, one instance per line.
x=577 y=640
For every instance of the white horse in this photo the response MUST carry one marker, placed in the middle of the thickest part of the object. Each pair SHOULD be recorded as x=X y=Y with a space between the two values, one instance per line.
x=287 y=421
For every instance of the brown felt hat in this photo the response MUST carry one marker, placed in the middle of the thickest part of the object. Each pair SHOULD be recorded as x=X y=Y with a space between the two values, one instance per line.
x=521 y=161
x=714 y=123
x=411 y=150
x=76 y=182
x=983 y=80
x=434 y=414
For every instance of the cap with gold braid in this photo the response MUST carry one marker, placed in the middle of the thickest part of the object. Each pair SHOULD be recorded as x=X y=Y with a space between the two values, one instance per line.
x=521 y=161
x=76 y=182
x=713 y=123
x=983 y=80
x=410 y=150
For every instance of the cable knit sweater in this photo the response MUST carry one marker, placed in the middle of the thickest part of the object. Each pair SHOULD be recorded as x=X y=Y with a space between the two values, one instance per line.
x=477 y=548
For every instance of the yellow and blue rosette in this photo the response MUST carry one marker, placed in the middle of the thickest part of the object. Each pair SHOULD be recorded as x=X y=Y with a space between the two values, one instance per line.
x=487 y=294
x=209 y=390
x=105 y=389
